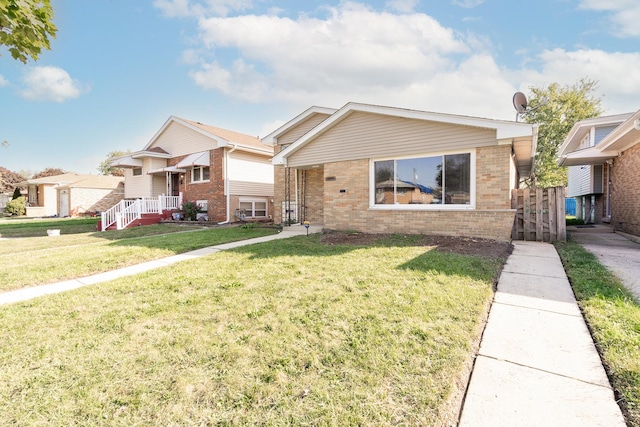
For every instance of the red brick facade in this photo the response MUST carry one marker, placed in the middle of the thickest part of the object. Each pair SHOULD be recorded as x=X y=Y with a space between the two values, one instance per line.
x=212 y=191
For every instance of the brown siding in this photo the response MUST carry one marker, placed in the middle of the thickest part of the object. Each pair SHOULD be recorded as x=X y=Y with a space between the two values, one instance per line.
x=625 y=193
x=303 y=127
x=366 y=135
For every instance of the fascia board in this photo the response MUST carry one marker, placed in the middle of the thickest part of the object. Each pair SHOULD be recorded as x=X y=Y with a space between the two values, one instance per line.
x=624 y=128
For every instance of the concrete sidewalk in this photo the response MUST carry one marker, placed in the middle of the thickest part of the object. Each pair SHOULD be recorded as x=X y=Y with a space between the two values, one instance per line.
x=67 y=285
x=537 y=364
x=619 y=252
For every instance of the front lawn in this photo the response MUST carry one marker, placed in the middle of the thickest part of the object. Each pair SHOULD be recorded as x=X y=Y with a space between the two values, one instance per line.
x=614 y=319
x=32 y=261
x=289 y=332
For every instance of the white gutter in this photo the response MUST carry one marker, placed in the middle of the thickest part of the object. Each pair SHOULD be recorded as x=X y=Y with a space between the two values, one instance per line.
x=226 y=182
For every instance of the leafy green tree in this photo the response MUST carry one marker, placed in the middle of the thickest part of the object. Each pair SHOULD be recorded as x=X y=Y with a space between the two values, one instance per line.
x=556 y=109
x=105 y=167
x=26 y=27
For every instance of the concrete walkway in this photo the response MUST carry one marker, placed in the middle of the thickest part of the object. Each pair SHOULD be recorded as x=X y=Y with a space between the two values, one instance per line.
x=54 y=288
x=537 y=364
x=619 y=252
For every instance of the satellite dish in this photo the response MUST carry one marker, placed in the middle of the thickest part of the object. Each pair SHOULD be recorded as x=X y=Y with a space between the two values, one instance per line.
x=520 y=102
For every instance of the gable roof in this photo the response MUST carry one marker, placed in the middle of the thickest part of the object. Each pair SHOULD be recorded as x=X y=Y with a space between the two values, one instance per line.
x=625 y=135
x=222 y=137
x=272 y=138
x=524 y=136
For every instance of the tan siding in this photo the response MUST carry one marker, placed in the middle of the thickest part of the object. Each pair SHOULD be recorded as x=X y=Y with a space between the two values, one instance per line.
x=366 y=135
x=249 y=167
x=245 y=188
x=179 y=140
x=158 y=185
x=136 y=186
x=295 y=133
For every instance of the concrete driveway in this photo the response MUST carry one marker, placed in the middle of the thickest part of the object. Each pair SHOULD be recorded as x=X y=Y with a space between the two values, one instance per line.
x=616 y=251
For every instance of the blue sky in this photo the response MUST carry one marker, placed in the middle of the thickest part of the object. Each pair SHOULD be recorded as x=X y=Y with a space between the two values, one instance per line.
x=118 y=69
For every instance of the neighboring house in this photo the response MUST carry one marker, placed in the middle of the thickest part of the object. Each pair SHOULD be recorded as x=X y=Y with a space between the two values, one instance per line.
x=390 y=170
x=603 y=156
x=72 y=194
x=225 y=172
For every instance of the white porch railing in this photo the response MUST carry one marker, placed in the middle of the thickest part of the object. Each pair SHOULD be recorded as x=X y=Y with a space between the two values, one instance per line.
x=127 y=211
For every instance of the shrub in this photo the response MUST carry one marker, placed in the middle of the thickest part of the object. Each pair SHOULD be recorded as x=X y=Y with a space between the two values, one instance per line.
x=191 y=210
x=16 y=206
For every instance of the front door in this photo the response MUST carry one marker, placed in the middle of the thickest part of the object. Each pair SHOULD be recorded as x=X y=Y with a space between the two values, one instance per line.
x=64 y=203
x=173 y=184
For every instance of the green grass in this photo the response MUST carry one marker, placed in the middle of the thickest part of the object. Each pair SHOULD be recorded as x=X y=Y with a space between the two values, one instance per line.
x=614 y=319
x=23 y=227
x=32 y=261
x=572 y=220
x=290 y=332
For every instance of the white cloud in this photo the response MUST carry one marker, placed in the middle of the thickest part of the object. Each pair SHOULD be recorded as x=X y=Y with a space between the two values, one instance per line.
x=354 y=48
x=402 y=6
x=50 y=84
x=625 y=15
x=356 y=53
x=618 y=87
x=3 y=81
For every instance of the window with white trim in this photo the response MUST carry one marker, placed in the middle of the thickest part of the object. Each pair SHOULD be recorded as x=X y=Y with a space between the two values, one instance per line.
x=137 y=171
x=424 y=182
x=254 y=207
x=200 y=174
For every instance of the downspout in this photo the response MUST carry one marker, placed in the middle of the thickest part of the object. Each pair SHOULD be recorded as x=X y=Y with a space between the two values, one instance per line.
x=226 y=183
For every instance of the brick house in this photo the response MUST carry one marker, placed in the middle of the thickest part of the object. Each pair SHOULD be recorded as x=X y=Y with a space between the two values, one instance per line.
x=390 y=170
x=603 y=157
x=225 y=172
x=72 y=194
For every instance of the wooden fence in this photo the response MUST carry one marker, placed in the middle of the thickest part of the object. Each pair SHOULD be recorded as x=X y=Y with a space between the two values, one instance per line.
x=540 y=214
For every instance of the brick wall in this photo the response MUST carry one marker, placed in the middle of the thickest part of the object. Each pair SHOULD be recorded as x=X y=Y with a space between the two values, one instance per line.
x=493 y=177
x=625 y=194
x=345 y=201
x=212 y=191
x=94 y=199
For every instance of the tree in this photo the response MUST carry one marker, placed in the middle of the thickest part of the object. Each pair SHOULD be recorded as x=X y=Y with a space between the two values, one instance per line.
x=9 y=180
x=26 y=27
x=49 y=172
x=556 y=109
x=105 y=167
